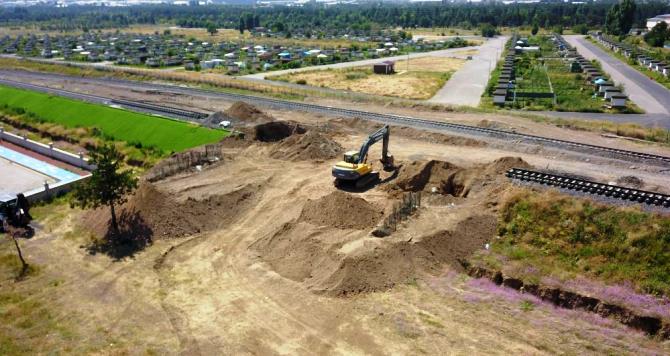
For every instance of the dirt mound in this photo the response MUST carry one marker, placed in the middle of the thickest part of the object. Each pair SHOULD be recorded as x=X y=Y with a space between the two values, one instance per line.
x=155 y=214
x=504 y=164
x=630 y=182
x=247 y=113
x=434 y=137
x=445 y=178
x=336 y=263
x=341 y=210
x=309 y=146
x=276 y=131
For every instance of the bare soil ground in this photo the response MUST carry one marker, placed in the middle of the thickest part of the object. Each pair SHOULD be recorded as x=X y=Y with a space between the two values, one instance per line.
x=420 y=79
x=261 y=254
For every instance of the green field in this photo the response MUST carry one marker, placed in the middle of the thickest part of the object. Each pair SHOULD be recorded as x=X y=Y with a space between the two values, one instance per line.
x=135 y=128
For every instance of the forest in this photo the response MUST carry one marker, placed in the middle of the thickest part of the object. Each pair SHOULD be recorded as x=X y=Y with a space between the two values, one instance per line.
x=333 y=19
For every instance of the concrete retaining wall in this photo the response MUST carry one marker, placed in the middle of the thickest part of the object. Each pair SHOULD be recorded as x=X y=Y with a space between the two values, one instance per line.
x=46 y=150
x=54 y=190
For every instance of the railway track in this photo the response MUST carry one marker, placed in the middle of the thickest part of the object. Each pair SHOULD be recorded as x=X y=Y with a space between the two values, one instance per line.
x=590 y=187
x=626 y=155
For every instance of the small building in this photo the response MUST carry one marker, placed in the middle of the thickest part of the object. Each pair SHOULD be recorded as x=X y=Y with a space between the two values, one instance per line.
x=499 y=96
x=385 y=67
x=657 y=19
x=618 y=100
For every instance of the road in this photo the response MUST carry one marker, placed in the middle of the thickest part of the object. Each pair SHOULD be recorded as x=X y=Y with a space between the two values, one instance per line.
x=467 y=85
x=451 y=52
x=646 y=93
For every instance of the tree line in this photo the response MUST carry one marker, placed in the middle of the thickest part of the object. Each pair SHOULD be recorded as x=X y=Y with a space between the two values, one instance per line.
x=337 y=18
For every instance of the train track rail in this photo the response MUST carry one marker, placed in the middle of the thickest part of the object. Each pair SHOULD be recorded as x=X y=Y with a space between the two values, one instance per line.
x=590 y=187
x=626 y=155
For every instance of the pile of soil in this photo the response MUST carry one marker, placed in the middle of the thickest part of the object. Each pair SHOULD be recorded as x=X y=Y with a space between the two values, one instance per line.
x=448 y=179
x=315 y=256
x=341 y=210
x=247 y=113
x=434 y=137
x=309 y=146
x=630 y=182
x=154 y=214
x=276 y=131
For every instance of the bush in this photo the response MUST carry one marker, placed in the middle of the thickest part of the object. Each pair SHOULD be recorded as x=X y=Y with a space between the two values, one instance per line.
x=301 y=82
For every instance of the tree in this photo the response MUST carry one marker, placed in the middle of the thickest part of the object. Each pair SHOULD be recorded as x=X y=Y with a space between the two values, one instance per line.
x=535 y=29
x=620 y=17
x=211 y=28
x=581 y=29
x=658 y=35
x=241 y=26
x=488 y=30
x=107 y=185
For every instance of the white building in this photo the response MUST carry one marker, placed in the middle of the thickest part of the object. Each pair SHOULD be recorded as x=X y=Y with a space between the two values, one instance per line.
x=658 y=19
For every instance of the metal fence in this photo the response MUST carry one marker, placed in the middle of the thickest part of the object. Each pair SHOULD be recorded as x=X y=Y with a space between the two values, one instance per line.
x=185 y=160
x=407 y=206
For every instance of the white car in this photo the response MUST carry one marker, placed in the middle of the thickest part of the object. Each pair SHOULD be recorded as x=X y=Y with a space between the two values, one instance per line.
x=224 y=124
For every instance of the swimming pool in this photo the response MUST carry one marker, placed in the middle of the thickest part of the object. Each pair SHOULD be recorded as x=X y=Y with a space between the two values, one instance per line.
x=59 y=174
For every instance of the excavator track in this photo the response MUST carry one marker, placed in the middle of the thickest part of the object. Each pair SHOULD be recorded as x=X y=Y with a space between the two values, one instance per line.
x=370 y=178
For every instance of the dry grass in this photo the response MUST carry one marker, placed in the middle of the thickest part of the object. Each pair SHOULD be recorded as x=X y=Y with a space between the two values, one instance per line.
x=420 y=79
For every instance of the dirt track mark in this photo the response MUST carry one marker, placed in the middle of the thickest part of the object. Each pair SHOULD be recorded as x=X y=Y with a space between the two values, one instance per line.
x=187 y=342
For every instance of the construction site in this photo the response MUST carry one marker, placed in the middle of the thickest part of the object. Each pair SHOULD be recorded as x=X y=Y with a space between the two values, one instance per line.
x=309 y=233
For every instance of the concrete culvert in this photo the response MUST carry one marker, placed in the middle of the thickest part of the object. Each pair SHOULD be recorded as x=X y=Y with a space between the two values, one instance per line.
x=276 y=131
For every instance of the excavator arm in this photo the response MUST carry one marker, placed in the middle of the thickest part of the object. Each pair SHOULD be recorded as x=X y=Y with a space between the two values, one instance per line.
x=382 y=134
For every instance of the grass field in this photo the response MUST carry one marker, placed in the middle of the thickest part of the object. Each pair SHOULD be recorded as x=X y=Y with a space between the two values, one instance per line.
x=420 y=80
x=137 y=129
x=564 y=237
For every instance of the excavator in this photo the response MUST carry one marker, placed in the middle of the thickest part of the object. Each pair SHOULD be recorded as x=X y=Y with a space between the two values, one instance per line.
x=355 y=170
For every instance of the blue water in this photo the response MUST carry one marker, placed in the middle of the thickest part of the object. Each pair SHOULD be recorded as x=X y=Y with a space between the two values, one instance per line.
x=60 y=174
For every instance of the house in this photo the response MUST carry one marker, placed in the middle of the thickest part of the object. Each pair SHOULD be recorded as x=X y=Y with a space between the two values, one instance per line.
x=656 y=20
x=385 y=67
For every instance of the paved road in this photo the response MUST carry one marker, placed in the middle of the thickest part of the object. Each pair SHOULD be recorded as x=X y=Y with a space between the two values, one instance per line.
x=646 y=93
x=451 y=52
x=467 y=85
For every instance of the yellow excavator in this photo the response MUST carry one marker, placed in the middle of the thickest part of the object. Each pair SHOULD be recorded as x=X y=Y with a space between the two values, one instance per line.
x=355 y=170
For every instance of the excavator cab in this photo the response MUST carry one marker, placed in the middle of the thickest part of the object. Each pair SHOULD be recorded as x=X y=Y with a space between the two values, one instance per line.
x=355 y=169
x=351 y=157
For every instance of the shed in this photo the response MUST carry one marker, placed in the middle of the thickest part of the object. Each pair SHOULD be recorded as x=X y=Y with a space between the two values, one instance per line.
x=618 y=100
x=385 y=67
x=499 y=96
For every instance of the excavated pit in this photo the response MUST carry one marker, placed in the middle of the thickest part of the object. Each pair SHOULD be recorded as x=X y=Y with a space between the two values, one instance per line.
x=276 y=131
